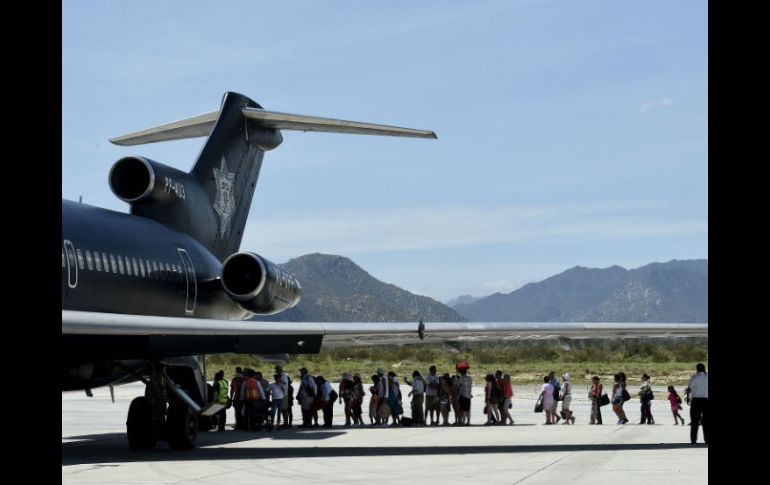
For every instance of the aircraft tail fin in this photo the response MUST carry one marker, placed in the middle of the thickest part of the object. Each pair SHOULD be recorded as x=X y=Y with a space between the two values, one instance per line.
x=228 y=166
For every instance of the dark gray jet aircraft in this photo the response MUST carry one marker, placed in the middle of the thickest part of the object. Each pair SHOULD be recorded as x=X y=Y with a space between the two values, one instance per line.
x=144 y=293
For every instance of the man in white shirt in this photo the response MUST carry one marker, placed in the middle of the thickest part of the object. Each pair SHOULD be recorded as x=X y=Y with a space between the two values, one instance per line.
x=418 y=396
x=698 y=393
x=285 y=403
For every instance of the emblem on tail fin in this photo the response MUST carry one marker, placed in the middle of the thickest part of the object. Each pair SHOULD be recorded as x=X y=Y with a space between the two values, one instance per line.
x=224 y=205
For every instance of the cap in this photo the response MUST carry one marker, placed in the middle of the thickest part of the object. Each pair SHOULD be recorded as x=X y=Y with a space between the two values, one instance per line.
x=463 y=365
x=346 y=377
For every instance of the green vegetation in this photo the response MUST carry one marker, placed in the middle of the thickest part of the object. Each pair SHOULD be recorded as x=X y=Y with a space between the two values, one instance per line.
x=668 y=361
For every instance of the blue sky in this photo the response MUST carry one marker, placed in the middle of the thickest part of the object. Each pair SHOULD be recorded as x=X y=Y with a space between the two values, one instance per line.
x=570 y=133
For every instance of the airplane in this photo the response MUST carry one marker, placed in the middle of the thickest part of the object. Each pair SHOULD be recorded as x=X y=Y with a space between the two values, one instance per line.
x=145 y=293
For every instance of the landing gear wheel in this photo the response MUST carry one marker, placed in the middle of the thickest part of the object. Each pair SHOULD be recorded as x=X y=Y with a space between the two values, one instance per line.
x=181 y=426
x=140 y=426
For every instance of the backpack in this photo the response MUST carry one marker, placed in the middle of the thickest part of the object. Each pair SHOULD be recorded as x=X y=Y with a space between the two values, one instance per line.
x=556 y=390
x=333 y=396
x=494 y=394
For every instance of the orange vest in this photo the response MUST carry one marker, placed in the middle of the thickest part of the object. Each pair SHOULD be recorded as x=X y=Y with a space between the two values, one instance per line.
x=251 y=392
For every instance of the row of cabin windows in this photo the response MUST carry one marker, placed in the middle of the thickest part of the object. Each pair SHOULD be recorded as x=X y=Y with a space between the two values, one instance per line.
x=144 y=268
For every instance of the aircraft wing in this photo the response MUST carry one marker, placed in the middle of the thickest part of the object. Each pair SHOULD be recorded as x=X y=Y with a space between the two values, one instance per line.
x=140 y=335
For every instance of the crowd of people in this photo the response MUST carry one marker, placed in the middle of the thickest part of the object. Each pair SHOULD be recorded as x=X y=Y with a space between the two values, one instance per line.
x=259 y=403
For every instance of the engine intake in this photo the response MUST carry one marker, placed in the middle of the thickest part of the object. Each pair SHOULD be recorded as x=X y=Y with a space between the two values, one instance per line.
x=135 y=179
x=258 y=285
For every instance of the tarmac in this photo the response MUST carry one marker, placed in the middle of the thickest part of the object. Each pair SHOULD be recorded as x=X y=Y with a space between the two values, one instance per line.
x=95 y=449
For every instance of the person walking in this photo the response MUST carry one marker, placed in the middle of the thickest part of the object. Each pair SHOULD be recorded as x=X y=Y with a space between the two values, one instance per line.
x=617 y=399
x=546 y=397
x=596 y=395
x=566 y=398
x=698 y=394
x=676 y=405
x=646 y=397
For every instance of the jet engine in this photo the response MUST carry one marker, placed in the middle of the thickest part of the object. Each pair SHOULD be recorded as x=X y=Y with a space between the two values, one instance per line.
x=258 y=285
x=134 y=179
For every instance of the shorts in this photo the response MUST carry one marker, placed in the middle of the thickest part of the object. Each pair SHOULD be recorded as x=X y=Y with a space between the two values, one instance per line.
x=617 y=400
x=431 y=403
x=465 y=403
x=566 y=402
x=284 y=404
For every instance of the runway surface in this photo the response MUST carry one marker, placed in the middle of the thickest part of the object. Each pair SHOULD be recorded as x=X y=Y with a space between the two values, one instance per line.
x=95 y=450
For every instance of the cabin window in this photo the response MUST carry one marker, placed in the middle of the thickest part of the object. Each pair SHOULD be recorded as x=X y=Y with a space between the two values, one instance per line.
x=168 y=272
x=141 y=267
x=89 y=260
x=81 y=262
x=135 y=266
x=120 y=264
x=155 y=271
x=114 y=265
x=105 y=263
x=98 y=261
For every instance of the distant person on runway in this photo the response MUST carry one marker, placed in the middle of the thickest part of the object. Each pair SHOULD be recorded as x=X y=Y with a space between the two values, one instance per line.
x=699 y=403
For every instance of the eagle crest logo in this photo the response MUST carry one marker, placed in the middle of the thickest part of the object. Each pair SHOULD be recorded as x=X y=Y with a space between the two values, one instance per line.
x=224 y=203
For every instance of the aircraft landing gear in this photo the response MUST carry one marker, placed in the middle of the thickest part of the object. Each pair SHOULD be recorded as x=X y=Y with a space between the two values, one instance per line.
x=181 y=426
x=142 y=435
x=164 y=416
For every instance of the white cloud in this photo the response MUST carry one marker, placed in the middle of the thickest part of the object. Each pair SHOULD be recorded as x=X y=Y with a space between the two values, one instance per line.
x=353 y=231
x=660 y=103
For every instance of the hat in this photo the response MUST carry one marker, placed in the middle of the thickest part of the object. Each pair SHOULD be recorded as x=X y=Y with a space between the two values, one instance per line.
x=566 y=376
x=463 y=365
x=346 y=377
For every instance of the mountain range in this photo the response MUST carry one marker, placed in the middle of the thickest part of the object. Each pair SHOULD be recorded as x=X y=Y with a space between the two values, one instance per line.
x=335 y=289
x=676 y=291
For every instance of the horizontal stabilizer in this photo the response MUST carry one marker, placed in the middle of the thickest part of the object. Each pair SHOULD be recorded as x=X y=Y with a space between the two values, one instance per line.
x=287 y=121
x=178 y=130
x=202 y=125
